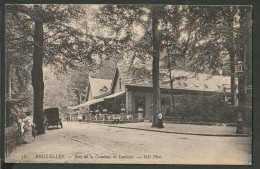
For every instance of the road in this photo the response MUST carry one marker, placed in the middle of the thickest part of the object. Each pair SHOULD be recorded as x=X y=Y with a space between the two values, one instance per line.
x=96 y=143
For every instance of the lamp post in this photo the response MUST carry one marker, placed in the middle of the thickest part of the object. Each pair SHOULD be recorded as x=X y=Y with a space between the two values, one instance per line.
x=241 y=95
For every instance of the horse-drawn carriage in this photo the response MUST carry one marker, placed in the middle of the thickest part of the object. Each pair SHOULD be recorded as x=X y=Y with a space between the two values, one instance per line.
x=52 y=117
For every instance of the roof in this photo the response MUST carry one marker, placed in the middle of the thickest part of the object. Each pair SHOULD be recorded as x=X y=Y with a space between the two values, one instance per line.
x=88 y=103
x=115 y=95
x=97 y=85
x=141 y=75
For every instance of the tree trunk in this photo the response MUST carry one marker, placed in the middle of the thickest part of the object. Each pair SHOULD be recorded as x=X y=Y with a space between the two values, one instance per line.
x=233 y=77
x=37 y=78
x=169 y=68
x=155 y=71
x=232 y=53
x=8 y=94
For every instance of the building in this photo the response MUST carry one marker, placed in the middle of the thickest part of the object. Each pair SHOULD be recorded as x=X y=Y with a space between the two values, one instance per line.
x=129 y=92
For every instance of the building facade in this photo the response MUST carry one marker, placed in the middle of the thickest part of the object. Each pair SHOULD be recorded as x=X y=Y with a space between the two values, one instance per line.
x=129 y=92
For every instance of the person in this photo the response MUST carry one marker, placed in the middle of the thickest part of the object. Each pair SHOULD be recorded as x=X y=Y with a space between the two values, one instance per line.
x=27 y=134
x=160 y=123
x=83 y=118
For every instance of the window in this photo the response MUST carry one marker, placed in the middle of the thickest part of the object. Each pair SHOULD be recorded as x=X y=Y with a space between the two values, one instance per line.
x=104 y=89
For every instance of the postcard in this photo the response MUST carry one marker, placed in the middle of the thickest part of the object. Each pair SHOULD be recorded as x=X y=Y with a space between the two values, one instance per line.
x=128 y=84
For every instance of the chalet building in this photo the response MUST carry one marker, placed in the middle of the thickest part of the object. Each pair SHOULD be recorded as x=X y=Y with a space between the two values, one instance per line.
x=129 y=92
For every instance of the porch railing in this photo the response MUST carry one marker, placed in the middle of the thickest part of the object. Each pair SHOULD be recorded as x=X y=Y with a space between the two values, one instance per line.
x=112 y=117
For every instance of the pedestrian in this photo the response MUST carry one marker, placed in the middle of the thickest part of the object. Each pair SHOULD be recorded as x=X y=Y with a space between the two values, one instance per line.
x=83 y=118
x=28 y=123
x=160 y=123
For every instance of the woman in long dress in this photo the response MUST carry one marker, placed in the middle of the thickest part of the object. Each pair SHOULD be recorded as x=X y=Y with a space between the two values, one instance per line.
x=160 y=123
x=27 y=134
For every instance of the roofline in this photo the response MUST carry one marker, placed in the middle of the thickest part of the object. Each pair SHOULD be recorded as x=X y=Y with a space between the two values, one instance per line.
x=88 y=86
x=113 y=79
x=177 y=91
x=102 y=95
x=88 y=90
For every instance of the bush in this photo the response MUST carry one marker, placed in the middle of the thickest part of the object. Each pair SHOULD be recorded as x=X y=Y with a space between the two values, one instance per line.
x=204 y=108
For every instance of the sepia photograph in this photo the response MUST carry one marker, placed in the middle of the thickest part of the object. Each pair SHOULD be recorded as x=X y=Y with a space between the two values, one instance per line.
x=128 y=84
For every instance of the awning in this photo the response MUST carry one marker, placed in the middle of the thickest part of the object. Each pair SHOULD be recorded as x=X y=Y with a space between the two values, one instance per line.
x=88 y=103
x=115 y=95
x=98 y=100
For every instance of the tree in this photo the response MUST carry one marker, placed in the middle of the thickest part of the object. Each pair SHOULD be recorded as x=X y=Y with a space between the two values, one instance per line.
x=50 y=30
x=234 y=39
x=190 y=40
x=77 y=83
x=121 y=18
x=17 y=74
x=155 y=70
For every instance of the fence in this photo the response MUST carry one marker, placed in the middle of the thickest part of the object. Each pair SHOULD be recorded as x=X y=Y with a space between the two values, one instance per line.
x=11 y=140
x=113 y=117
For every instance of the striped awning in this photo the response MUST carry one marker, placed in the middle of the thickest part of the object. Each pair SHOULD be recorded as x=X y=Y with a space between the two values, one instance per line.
x=98 y=100
x=88 y=103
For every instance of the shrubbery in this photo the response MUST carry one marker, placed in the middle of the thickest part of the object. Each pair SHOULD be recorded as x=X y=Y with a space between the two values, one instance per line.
x=204 y=108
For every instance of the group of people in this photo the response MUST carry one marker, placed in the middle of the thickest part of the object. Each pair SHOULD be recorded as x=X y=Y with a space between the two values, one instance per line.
x=26 y=127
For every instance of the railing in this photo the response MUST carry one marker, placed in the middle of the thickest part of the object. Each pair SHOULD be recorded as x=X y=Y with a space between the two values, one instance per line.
x=11 y=141
x=112 y=117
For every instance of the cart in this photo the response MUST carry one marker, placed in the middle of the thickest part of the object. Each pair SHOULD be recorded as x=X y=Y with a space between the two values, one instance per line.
x=52 y=117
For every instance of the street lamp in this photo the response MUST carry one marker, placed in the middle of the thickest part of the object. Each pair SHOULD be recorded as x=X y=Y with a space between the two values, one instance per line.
x=239 y=68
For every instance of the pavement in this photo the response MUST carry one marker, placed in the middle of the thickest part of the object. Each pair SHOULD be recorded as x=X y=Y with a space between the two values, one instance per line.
x=188 y=129
x=90 y=143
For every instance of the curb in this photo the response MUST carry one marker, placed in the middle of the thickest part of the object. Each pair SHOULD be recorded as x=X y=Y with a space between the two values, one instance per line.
x=173 y=132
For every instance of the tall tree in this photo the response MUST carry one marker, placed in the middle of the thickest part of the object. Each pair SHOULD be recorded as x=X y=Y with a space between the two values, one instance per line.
x=121 y=19
x=54 y=39
x=17 y=74
x=232 y=31
x=155 y=70
x=190 y=40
